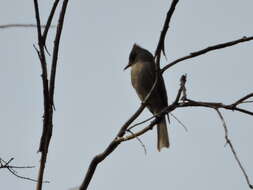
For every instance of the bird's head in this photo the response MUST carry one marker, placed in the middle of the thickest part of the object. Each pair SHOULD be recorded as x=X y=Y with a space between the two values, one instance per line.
x=132 y=56
x=138 y=54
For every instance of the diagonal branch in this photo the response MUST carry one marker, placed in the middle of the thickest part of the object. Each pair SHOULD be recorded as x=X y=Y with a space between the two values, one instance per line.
x=56 y=49
x=139 y=133
x=114 y=144
x=179 y=94
x=49 y=20
x=191 y=103
x=206 y=50
x=160 y=47
x=228 y=141
x=242 y=100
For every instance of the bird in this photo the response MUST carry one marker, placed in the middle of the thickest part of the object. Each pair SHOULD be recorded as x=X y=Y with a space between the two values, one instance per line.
x=143 y=76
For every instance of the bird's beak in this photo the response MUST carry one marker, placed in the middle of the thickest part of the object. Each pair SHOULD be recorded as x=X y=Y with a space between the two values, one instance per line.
x=128 y=65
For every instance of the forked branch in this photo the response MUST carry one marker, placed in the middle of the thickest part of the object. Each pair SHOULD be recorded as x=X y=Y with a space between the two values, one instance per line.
x=48 y=83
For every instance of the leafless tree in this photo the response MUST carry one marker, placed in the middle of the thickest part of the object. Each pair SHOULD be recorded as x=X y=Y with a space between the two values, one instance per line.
x=182 y=100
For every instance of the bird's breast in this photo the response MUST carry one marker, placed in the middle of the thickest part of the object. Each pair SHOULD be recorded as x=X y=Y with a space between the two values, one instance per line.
x=141 y=79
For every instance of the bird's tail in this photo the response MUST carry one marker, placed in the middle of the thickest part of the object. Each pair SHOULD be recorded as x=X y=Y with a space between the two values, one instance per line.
x=162 y=134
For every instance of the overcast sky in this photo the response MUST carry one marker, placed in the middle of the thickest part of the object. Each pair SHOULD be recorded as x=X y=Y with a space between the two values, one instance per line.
x=94 y=96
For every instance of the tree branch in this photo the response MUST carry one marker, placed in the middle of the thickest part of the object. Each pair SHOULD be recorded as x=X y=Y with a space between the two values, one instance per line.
x=139 y=133
x=179 y=102
x=206 y=50
x=48 y=90
x=160 y=47
x=229 y=142
x=216 y=105
x=114 y=144
x=49 y=20
x=11 y=169
x=56 y=48
x=5 y=26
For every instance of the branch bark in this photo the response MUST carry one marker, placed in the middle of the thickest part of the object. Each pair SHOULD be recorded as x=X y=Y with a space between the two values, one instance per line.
x=48 y=86
x=208 y=49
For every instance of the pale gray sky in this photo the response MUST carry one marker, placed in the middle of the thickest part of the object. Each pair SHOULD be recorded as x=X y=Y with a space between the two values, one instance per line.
x=94 y=96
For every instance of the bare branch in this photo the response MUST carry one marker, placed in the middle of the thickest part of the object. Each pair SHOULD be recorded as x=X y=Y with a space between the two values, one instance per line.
x=228 y=141
x=144 y=121
x=137 y=134
x=5 y=26
x=114 y=144
x=139 y=140
x=182 y=88
x=208 y=49
x=110 y=148
x=44 y=76
x=242 y=100
x=56 y=49
x=190 y=103
x=246 y=102
x=10 y=168
x=49 y=20
x=48 y=91
x=180 y=122
x=179 y=102
x=160 y=46
x=215 y=105
x=47 y=118
x=181 y=91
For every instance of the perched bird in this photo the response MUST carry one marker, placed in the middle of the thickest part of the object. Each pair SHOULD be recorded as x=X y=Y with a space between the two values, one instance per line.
x=143 y=75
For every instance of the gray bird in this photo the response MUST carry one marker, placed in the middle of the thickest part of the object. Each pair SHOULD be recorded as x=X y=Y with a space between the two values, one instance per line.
x=143 y=76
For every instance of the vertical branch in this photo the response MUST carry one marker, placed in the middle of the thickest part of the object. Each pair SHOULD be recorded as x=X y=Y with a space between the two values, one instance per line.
x=228 y=141
x=160 y=47
x=48 y=90
x=43 y=62
x=56 y=49
x=47 y=116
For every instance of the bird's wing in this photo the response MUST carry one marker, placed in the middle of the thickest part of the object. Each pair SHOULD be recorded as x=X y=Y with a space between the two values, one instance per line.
x=159 y=92
x=161 y=89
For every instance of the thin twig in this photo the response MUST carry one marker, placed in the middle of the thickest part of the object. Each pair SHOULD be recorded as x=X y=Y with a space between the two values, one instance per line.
x=6 y=165
x=22 y=177
x=144 y=121
x=160 y=46
x=246 y=102
x=215 y=105
x=228 y=141
x=180 y=122
x=242 y=100
x=49 y=20
x=137 y=134
x=5 y=26
x=208 y=49
x=56 y=49
x=142 y=144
